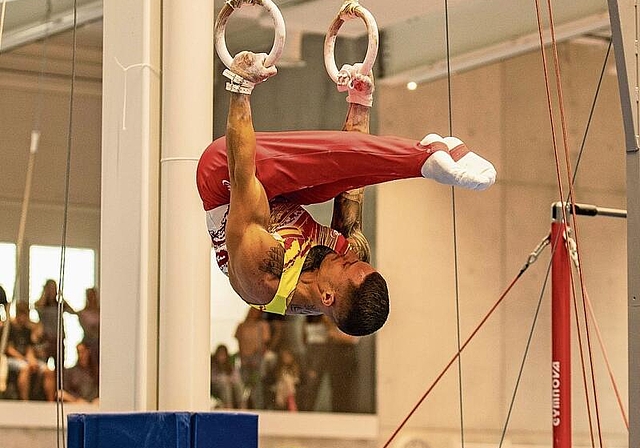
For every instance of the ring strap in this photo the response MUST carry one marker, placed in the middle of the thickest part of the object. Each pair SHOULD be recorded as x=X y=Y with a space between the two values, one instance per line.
x=238 y=84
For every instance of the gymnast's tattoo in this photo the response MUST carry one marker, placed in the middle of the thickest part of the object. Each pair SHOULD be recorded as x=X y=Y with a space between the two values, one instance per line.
x=315 y=257
x=273 y=262
x=303 y=309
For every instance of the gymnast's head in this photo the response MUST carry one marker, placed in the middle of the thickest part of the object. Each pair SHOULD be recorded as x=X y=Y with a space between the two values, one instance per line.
x=354 y=293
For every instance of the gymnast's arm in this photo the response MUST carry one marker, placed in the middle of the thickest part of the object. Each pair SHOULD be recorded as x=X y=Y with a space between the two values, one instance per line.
x=248 y=242
x=347 y=219
x=248 y=205
x=347 y=206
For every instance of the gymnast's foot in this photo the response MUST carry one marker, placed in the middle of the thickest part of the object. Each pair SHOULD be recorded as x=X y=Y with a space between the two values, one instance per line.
x=468 y=159
x=469 y=171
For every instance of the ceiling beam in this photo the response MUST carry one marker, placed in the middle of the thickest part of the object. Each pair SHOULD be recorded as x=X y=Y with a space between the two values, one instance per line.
x=494 y=53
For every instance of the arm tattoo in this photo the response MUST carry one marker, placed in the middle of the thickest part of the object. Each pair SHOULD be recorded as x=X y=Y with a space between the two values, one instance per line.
x=273 y=261
x=347 y=212
x=303 y=309
x=347 y=219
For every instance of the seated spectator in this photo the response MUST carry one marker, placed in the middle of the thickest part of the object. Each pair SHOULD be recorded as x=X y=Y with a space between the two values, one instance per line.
x=4 y=368
x=3 y=360
x=226 y=386
x=22 y=360
x=287 y=377
x=80 y=383
x=40 y=346
x=3 y=297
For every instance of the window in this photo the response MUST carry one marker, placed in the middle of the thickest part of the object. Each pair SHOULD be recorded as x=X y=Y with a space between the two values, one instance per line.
x=44 y=264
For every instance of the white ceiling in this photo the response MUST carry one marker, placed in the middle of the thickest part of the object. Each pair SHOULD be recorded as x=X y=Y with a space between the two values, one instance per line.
x=413 y=42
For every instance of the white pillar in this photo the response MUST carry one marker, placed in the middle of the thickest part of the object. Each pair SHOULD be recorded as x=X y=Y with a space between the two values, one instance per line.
x=129 y=221
x=187 y=128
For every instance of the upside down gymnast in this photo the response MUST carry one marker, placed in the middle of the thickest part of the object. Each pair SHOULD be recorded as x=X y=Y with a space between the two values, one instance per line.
x=252 y=185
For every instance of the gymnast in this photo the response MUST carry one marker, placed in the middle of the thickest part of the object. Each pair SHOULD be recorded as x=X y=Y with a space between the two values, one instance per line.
x=252 y=185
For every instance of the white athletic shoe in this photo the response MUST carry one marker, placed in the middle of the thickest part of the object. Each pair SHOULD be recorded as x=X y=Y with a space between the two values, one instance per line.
x=431 y=138
x=470 y=160
x=442 y=168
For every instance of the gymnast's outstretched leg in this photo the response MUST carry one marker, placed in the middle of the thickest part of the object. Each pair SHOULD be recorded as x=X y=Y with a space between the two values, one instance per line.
x=314 y=166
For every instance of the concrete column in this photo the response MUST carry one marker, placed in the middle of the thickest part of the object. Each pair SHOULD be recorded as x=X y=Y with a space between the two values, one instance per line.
x=129 y=212
x=187 y=128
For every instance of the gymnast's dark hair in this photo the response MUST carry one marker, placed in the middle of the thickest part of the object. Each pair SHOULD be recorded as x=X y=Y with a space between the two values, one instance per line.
x=366 y=309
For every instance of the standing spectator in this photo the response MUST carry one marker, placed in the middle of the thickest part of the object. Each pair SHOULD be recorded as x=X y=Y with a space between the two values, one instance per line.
x=343 y=368
x=47 y=307
x=253 y=339
x=277 y=329
x=80 y=382
x=287 y=377
x=22 y=358
x=277 y=326
x=89 y=318
x=316 y=334
x=226 y=385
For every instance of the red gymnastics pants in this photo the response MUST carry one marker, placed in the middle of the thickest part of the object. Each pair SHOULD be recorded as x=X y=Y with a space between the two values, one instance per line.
x=309 y=167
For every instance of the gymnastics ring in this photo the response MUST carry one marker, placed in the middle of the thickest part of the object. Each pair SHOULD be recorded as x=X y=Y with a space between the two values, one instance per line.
x=351 y=9
x=223 y=18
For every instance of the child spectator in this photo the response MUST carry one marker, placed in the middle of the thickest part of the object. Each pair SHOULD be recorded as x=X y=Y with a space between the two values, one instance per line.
x=287 y=376
x=226 y=385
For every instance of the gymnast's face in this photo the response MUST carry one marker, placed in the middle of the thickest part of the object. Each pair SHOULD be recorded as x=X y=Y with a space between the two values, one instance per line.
x=343 y=272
